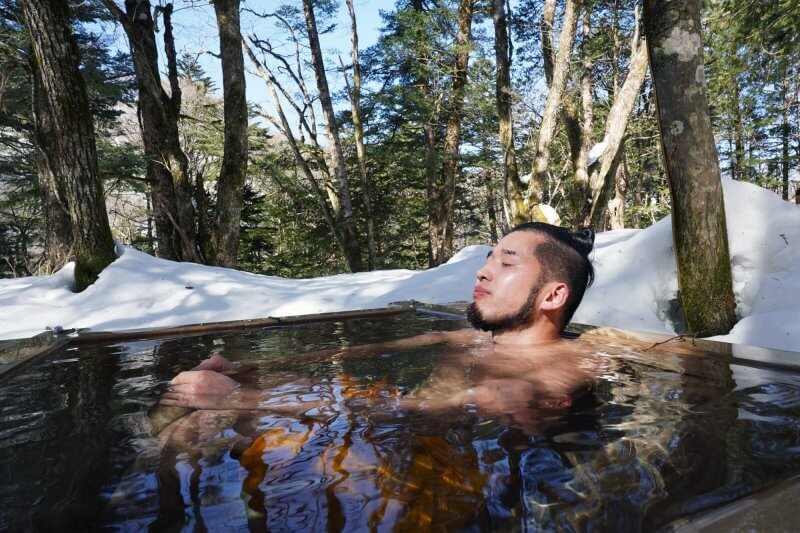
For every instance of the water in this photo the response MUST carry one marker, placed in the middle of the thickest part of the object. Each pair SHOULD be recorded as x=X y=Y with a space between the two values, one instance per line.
x=654 y=437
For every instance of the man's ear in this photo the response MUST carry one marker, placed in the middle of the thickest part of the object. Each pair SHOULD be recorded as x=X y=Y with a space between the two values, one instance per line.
x=555 y=296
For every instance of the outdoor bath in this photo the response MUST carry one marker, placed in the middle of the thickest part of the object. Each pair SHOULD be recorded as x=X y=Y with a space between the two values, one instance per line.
x=666 y=435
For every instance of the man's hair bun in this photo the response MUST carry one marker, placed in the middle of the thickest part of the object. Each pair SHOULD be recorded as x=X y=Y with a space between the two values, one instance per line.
x=584 y=241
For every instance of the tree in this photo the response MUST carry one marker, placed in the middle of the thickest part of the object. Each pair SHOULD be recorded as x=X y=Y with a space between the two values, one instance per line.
x=603 y=180
x=504 y=95
x=340 y=178
x=698 y=211
x=541 y=159
x=441 y=193
x=159 y=113
x=358 y=133
x=58 y=226
x=72 y=157
x=230 y=185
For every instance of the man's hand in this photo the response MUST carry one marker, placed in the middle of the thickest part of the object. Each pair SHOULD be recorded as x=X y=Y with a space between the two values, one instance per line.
x=200 y=389
x=217 y=363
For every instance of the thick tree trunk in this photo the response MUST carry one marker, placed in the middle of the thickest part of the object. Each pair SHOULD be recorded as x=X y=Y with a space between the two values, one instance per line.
x=173 y=212
x=442 y=203
x=73 y=152
x=340 y=181
x=547 y=129
x=502 y=51
x=174 y=157
x=58 y=228
x=358 y=132
x=690 y=158
x=230 y=186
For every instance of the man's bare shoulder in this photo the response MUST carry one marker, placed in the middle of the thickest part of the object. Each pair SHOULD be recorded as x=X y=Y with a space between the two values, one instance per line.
x=464 y=336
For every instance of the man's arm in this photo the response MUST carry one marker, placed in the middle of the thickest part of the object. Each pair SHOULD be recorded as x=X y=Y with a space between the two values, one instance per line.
x=218 y=363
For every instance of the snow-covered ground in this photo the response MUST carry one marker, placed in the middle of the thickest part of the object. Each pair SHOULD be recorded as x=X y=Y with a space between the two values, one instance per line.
x=635 y=287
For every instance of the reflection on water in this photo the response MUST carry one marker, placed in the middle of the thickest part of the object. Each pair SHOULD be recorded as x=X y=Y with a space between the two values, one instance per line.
x=658 y=436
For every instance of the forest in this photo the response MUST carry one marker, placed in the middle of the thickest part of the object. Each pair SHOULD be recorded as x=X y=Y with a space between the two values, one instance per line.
x=462 y=119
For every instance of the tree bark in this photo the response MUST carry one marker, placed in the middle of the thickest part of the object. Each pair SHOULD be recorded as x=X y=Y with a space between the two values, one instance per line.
x=546 y=37
x=616 y=206
x=58 y=227
x=738 y=162
x=785 y=130
x=616 y=124
x=167 y=164
x=340 y=181
x=578 y=129
x=547 y=129
x=580 y=153
x=73 y=151
x=504 y=94
x=698 y=210
x=230 y=186
x=440 y=215
x=429 y=124
x=358 y=131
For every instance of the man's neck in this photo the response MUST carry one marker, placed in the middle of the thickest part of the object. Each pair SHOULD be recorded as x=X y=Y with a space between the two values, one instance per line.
x=540 y=332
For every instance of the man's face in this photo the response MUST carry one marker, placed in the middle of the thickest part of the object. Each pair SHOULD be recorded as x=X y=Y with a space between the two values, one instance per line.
x=507 y=285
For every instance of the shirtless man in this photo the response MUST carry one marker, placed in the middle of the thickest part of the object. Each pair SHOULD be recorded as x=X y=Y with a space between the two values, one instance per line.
x=524 y=296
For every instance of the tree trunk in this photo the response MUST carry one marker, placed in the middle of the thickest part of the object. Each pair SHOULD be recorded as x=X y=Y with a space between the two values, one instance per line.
x=158 y=116
x=73 y=151
x=690 y=158
x=616 y=206
x=490 y=209
x=785 y=130
x=546 y=37
x=547 y=129
x=578 y=129
x=616 y=124
x=340 y=181
x=580 y=153
x=230 y=186
x=58 y=228
x=442 y=203
x=738 y=162
x=358 y=131
x=502 y=51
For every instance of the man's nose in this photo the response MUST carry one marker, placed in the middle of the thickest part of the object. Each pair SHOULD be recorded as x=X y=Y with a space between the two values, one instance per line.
x=485 y=272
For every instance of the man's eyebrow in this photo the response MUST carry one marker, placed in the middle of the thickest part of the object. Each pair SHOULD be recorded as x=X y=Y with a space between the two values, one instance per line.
x=505 y=251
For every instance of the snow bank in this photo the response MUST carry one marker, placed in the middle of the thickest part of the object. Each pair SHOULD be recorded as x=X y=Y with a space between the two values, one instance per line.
x=138 y=291
x=637 y=283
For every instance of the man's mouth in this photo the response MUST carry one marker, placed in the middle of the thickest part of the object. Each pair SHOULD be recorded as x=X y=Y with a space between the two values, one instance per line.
x=479 y=292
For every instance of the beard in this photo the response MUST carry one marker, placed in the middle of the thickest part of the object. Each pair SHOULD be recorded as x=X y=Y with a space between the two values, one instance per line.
x=517 y=320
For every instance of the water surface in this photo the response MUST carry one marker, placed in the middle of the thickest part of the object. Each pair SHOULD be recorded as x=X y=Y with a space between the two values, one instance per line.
x=654 y=437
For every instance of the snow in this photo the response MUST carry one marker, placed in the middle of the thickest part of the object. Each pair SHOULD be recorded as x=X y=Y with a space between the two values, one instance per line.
x=635 y=288
x=595 y=153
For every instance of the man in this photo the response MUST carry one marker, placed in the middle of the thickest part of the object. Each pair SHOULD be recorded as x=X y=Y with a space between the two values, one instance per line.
x=524 y=296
